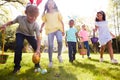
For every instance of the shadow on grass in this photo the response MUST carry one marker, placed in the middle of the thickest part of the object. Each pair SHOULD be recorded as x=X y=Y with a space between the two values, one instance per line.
x=96 y=60
x=66 y=74
x=52 y=74
x=99 y=70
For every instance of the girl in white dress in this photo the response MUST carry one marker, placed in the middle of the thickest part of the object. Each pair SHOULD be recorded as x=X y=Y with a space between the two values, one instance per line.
x=105 y=37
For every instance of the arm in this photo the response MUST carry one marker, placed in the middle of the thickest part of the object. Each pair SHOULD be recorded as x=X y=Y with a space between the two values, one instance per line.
x=113 y=36
x=77 y=34
x=66 y=40
x=5 y=25
x=42 y=25
x=38 y=45
x=95 y=29
x=63 y=33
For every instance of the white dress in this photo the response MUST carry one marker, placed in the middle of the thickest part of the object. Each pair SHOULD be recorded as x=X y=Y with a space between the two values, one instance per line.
x=104 y=33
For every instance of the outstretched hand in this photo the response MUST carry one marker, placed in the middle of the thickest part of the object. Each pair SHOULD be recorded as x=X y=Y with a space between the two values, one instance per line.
x=2 y=28
x=63 y=33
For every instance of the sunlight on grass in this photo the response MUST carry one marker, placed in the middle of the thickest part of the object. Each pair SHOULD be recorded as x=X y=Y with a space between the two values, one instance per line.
x=80 y=69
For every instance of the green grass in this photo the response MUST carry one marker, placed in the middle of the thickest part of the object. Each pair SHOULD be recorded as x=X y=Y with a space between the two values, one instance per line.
x=81 y=69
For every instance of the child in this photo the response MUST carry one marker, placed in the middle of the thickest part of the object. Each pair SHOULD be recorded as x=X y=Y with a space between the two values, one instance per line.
x=71 y=39
x=27 y=27
x=84 y=37
x=105 y=37
x=52 y=20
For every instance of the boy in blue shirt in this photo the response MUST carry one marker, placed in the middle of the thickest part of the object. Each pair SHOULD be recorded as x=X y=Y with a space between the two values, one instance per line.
x=71 y=39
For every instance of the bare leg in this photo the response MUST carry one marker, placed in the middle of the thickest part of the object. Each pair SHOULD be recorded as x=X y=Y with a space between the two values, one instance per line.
x=102 y=48
x=110 y=49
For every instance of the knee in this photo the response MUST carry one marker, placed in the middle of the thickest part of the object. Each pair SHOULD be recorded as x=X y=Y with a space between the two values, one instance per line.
x=50 y=45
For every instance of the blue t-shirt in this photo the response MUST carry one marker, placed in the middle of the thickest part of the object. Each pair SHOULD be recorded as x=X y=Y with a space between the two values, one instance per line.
x=71 y=35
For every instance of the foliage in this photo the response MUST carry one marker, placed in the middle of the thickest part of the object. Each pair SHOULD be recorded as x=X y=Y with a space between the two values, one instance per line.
x=3 y=2
x=113 y=15
x=80 y=69
x=5 y=16
x=116 y=43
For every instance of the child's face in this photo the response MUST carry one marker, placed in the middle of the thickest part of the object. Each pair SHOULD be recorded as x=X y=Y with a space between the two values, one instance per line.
x=83 y=27
x=99 y=17
x=50 y=4
x=31 y=17
x=71 y=23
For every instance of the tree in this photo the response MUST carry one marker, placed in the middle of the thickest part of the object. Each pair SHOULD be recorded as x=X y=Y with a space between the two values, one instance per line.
x=6 y=15
x=13 y=1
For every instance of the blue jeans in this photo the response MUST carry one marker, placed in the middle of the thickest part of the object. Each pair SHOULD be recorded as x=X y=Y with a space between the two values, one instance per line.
x=19 y=46
x=71 y=50
x=87 y=47
x=58 y=35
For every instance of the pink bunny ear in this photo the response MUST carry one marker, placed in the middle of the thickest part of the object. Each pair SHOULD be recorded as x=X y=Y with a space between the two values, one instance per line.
x=31 y=1
x=38 y=2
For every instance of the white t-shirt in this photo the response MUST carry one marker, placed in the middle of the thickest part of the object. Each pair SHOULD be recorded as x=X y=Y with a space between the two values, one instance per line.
x=104 y=33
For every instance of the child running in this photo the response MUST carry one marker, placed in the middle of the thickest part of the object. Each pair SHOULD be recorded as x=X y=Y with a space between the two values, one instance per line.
x=71 y=39
x=27 y=27
x=105 y=37
x=52 y=20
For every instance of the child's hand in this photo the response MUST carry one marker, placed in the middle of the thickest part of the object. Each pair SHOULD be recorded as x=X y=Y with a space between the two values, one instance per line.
x=63 y=33
x=3 y=27
x=94 y=30
x=40 y=30
x=37 y=52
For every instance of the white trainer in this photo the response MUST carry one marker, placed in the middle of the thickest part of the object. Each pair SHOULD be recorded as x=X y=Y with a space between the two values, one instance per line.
x=37 y=70
x=114 y=61
x=60 y=59
x=50 y=65
x=101 y=60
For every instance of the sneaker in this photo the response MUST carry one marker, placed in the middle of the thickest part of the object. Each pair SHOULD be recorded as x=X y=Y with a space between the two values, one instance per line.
x=50 y=65
x=82 y=56
x=37 y=70
x=89 y=57
x=60 y=59
x=71 y=61
x=16 y=71
x=101 y=60
x=114 y=61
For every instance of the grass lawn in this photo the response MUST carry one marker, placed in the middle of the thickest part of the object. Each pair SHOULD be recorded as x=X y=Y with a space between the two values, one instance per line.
x=80 y=69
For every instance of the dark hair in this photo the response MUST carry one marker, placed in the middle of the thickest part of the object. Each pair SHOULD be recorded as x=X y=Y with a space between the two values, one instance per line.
x=71 y=20
x=32 y=9
x=103 y=14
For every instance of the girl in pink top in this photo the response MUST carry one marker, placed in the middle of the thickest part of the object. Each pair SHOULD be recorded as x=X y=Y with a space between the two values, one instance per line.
x=84 y=37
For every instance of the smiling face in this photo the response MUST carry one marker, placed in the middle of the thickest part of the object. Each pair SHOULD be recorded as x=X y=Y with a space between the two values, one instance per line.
x=31 y=17
x=99 y=17
x=32 y=13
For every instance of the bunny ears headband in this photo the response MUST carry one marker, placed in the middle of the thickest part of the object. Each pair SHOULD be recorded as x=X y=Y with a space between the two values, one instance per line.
x=37 y=2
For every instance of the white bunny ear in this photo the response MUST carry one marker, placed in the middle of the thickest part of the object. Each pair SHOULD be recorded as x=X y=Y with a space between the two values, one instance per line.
x=38 y=2
x=28 y=4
